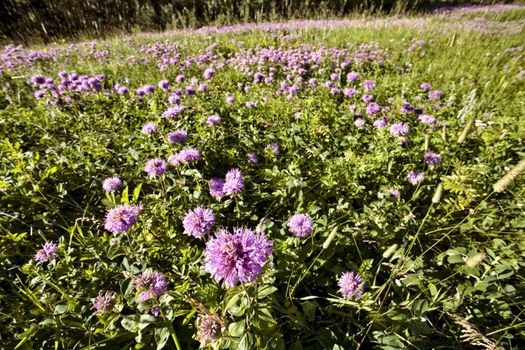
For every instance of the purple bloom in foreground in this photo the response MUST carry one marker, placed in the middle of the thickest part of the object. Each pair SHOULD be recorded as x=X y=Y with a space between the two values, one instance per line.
x=399 y=129
x=252 y=158
x=173 y=112
x=373 y=108
x=233 y=182
x=39 y=94
x=103 y=303
x=425 y=86
x=432 y=158
x=208 y=329
x=381 y=122
x=111 y=184
x=352 y=76
x=156 y=166
x=351 y=285
x=48 y=250
x=369 y=85
x=273 y=147
x=177 y=136
x=199 y=221
x=415 y=177
x=236 y=257
x=217 y=187
x=434 y=95
x=150 y=284
x=213 y=120
x=427 y=119
x=301 y=225
x=185 y=156
x=250 y=104
x=121 y=218
x=349 y=92
x=360 y=123
x=149 y=128
x=208 y=73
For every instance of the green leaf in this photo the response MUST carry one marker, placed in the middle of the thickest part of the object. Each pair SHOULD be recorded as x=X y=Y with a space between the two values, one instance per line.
x=236 y=329
x=161 y=337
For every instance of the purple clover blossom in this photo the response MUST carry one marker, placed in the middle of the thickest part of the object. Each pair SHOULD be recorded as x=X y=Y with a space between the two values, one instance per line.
x=250 y=104
x=121 y=218
x=381 y=123
x=38 y=79
x=233 y=182
x=273 y=148
x=351 y=285
x=48 y=251
x=399 y=129
x=424 y=86
x=394 y=193
x=230 y=99
x=301 y=225
x=111 y=184
x=180 y=78
x=149 y=128
x=202 y=88
x=156 y=167
x=236 y=257
x=198 y=222
x=39 y=94
x=217 y=187
x=352 y=76
x=213 y=120
x=434 y=95
x=184 y=156
x=427 y=119
x=174 y=99
x=208 y=329
x=190 y=90
x=432 y=158
x=368 y=98
x=149 y=89
x=360 y=123
x=252 y=158
x=150 y=285
x=173 y=112
x=209 y=73
x=369 y=85
x=103 y=303
x=349 y=92
x=177 y=136
x=122 y=90
x=415 y=177
x=164 y=85
x=373 y=108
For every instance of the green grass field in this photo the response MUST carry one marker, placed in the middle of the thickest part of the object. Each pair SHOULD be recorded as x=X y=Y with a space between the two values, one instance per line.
x=399 y=139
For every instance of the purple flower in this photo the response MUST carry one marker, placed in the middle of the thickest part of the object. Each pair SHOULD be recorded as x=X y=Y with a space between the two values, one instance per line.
x=156 y=166
x=203 y=88
x=199 y=221
x=373 y=108
x=122 y=90
x=173 y=112
x=230 y=99
x=236 y=257
x=369 y=85
x=273 y=147
x=149 y=128
x=103 y=303
x=39 y=94
x=208 y=329
x=48 y=250
x=233 y=182
x=150 y=285
x=352 y=76
x=360 y=123
x=434 y=95
x=250 y=104
x=38 y=79
x=252 y=158
x=174 y=99
x=368 y=98
x=209 y=73
x=111 y=184
x=394 y=193
x=217 y=187
x=184 y=156
x=399 y=129
x=432 y=158
x=177 y=136
x=180 y=78
x=349 y=92
x=351 y=285
x=190 y=90
x=121 y=218
x=427 y=119
x=213 y=120
x=415 y=177
x=425 y=86
x=149 y=89
x=301 y=225
x=381 y=122
x=164 y=85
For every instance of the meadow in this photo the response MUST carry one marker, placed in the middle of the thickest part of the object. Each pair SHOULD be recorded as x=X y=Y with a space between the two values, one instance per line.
x=315 y=184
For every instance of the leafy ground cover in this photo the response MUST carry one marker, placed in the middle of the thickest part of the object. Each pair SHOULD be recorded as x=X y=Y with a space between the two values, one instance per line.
x=298 y=185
